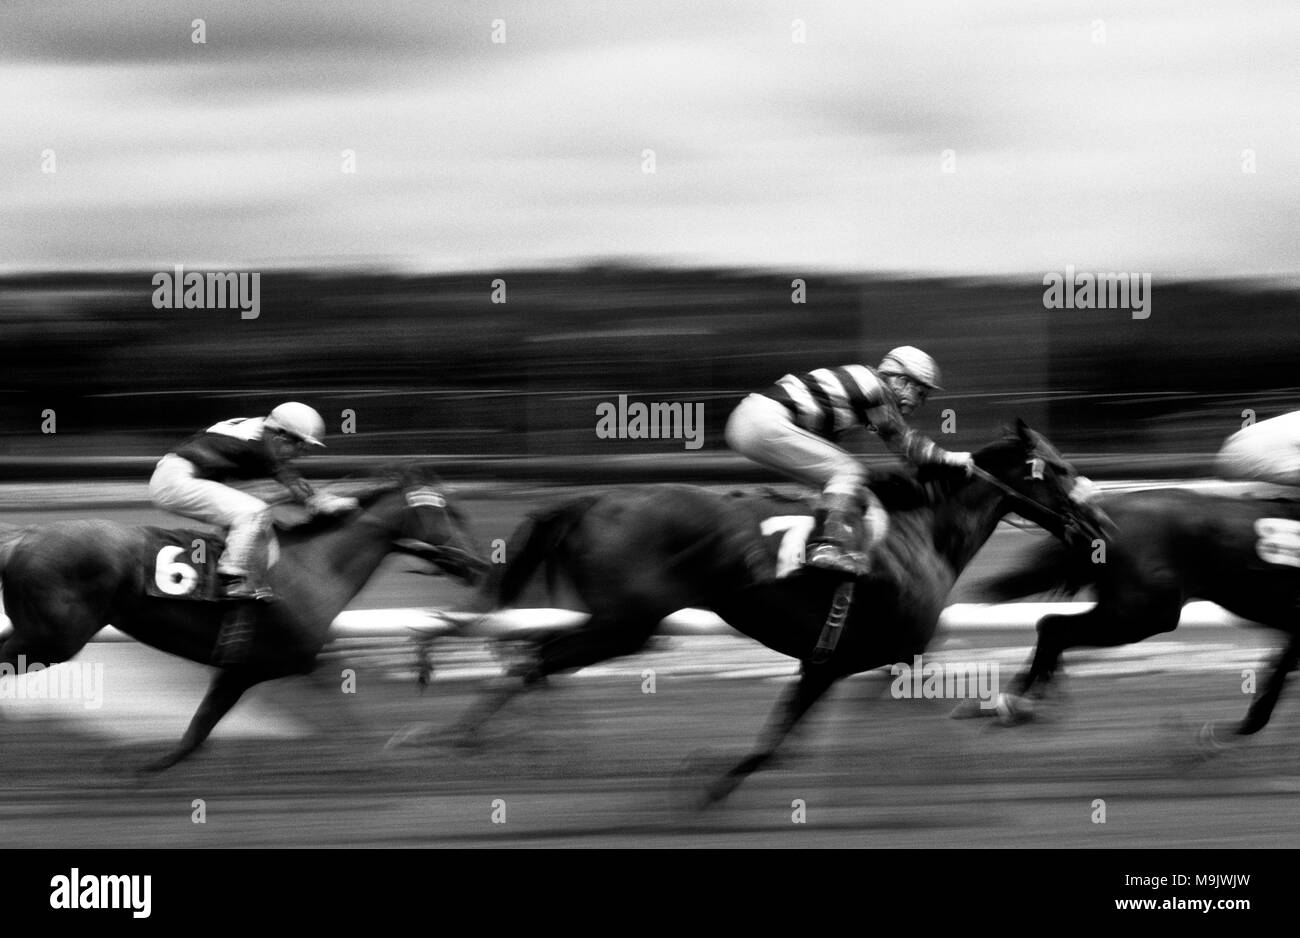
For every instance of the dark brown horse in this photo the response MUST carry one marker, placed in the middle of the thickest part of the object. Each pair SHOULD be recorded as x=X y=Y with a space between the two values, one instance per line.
x=1169 y=546
x=65 y=581
x=636 y=555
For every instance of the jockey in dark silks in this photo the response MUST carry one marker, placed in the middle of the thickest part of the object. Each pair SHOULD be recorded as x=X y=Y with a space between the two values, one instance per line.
x=191 y=481
x=791 y=427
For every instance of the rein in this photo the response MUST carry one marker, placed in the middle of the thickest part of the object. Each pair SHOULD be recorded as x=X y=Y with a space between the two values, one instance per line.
x=1067 y=522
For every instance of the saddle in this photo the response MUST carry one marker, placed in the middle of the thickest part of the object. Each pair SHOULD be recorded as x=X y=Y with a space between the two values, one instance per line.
x=781 y=549
x=785 y=534
x=786 y=538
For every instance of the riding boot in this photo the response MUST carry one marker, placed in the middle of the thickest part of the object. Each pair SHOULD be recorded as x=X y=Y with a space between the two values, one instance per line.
x=836 y=542
x=242 y=586
x=235 y=640
x=242 y=569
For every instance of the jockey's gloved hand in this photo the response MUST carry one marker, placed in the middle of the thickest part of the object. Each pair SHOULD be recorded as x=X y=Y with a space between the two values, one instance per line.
x=1084 y=491
x=960 y=460
x=323 y=503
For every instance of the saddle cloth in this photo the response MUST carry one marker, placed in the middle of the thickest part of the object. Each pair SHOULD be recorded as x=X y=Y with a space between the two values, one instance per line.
x=182 y=564
x=786 y=536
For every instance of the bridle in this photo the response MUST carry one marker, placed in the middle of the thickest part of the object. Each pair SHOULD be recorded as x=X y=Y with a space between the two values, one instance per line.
x=1073 y=527
x=452 y=559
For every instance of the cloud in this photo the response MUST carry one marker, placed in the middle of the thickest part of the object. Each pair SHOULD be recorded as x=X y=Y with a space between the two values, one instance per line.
x=143 y=31
x=1124 y=154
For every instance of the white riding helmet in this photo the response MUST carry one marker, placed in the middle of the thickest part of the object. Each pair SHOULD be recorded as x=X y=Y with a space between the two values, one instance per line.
x=298 y=420
x=912 y=362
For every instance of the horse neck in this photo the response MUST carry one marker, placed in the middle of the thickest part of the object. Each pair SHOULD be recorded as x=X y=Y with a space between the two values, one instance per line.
x=965 y=521
x=350 y=553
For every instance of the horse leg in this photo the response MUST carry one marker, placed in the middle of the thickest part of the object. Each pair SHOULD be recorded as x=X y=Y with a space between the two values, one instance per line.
x=226 y=689
x=812 y=684
x=466 y=731
x=1103 y=626
x=1216 y=737
x=1052 y=640
x=599 y=639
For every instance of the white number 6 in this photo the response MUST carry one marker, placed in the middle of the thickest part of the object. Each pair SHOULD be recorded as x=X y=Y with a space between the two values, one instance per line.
x=170 y=575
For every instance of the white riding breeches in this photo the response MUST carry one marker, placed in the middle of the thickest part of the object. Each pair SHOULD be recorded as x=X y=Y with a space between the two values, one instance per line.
x=175 y=488
x=763 y=430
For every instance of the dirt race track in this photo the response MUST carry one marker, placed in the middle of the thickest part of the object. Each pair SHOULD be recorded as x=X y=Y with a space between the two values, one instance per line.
x=595 y=761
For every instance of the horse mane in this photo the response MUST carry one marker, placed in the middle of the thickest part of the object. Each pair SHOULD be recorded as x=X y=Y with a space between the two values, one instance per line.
x=900 y=488
x=1009 y=442
x=940 y=481
x=1014 y=440
x=897 y=487
x=367 y=487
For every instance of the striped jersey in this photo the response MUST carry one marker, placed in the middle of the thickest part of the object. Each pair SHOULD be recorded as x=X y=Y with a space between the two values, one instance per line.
x=831 y=401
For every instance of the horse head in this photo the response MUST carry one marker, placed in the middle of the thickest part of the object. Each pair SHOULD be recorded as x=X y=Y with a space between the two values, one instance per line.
x=1042 y=486
x=425 y=522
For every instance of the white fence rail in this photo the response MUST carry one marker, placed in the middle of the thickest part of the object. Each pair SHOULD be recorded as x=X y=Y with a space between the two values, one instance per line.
x=405 y=623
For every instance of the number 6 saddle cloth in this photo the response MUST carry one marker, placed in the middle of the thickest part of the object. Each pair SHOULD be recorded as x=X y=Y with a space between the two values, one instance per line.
x=182 y=564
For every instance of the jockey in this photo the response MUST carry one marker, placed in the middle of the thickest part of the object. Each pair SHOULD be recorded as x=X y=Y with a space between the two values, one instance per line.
x=791 y=425
x=1268 y=451
x=191 y=481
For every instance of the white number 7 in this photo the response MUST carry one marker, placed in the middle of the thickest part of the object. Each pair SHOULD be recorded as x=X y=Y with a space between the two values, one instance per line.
x=789 y=557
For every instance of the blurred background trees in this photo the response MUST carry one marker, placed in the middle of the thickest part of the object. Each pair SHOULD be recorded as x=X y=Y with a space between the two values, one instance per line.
x=431 y=365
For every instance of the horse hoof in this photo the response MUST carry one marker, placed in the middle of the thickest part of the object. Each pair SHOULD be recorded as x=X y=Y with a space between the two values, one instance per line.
x=697 y=782
x=167 y=760
x=413 y=734
x=1211 y=742
x=717 y=793
x=1181 y=744
x=1014 y=710
x=971 y=710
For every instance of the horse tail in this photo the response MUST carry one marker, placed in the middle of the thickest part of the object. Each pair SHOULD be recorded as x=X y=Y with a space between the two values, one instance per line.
x=1049 y=566
x=9 y=537
x=536 y=543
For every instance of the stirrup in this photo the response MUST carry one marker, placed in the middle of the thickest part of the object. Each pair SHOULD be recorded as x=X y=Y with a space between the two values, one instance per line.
x=838 y=537
x=241 y=587
x=833 y=557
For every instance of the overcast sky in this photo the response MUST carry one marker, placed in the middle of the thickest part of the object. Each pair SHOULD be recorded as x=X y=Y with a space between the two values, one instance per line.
x=1117 y=155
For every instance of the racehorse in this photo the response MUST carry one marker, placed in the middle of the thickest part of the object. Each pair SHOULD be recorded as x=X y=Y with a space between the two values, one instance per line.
x=1169 y=546
x=637 y=554
x=65 y=581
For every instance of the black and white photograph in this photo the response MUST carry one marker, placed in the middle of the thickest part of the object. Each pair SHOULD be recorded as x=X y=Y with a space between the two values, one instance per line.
x=766 y=425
